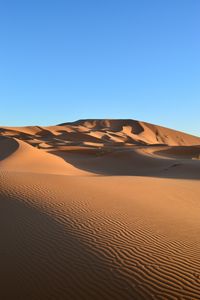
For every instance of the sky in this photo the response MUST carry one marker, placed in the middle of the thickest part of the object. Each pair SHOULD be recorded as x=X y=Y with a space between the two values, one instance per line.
x=66 y=60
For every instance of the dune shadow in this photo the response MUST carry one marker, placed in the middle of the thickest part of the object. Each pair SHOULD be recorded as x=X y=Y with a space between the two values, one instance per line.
x=108 y=161
x=7 y=147
x=107 y=124
x=180 y=152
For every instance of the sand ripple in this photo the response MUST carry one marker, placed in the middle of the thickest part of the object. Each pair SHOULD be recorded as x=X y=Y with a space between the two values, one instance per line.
x=68 y=238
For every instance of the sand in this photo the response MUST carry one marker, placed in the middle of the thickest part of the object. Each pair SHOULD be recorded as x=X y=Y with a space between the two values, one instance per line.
x=99 y=209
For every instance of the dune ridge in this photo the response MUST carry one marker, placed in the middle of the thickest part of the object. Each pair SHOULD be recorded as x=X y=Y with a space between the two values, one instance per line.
x=99 y=209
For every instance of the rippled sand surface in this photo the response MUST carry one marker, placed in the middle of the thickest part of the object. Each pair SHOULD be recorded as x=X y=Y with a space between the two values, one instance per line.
x=99 y=209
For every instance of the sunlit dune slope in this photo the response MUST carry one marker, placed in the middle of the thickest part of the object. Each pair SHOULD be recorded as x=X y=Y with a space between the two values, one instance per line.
x=16 y=155
x=131 y=130
x=104 y=132
x=105 y=147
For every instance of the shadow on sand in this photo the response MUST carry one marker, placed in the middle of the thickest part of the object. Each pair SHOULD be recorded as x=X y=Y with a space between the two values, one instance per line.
x=125 y=162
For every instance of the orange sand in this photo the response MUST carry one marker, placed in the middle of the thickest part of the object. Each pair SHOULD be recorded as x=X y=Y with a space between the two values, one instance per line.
x=99 y=209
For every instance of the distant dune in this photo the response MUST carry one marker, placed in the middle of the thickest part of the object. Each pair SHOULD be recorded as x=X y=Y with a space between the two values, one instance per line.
x=99 y=209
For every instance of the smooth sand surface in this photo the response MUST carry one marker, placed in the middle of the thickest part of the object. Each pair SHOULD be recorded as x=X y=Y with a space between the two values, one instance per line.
x=99 y=209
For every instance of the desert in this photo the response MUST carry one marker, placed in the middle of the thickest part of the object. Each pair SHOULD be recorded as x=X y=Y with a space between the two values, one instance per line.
x=99 y=209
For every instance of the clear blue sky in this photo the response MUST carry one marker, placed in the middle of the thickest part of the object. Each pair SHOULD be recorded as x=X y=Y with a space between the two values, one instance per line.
x=65 y=60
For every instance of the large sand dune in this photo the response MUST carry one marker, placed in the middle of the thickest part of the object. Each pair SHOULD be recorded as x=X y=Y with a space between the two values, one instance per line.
x=99 y=209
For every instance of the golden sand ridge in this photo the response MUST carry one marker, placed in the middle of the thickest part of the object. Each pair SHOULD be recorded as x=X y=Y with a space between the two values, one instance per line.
x=99 y=209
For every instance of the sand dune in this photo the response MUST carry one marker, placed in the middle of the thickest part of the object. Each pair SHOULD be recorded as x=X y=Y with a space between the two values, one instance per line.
x=17 y=155
x=99 y=209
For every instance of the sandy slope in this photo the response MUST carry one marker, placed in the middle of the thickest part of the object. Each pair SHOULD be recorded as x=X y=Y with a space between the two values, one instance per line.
x=99 y=209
